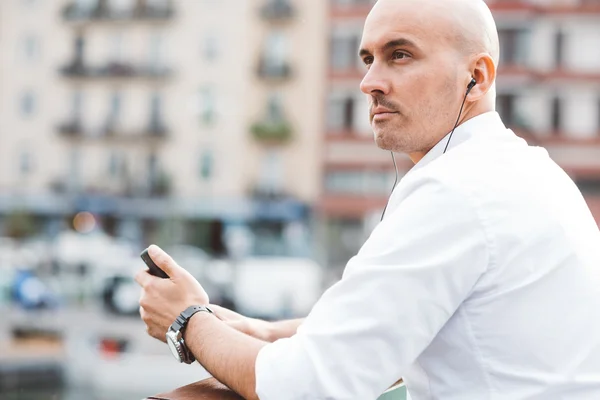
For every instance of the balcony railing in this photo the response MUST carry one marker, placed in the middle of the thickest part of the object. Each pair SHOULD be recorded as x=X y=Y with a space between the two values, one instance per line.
x=73 y=128
x=103 y=12
x=280 y=71
x=151 y=131
x=278 y=10
x=113 y=69
x=161 y=185
x=272 y=132
x=157 y=129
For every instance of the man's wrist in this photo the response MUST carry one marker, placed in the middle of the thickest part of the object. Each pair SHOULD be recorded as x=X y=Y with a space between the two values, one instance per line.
x=196 y=317
x=262 y=330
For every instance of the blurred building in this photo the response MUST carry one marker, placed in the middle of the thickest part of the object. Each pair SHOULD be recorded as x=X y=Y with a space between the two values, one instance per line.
x=357 y=175
x=170 y=120
x=549 y=82
x=548 y=92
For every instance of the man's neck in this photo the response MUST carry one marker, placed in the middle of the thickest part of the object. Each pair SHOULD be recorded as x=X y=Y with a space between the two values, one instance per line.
x=467 y=115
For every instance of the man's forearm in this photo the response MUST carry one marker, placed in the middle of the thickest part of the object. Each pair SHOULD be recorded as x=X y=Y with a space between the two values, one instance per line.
x=229 y=355
x=283 y=329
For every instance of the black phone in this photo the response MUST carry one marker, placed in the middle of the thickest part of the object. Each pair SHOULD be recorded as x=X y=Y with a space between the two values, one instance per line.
x=152 y=267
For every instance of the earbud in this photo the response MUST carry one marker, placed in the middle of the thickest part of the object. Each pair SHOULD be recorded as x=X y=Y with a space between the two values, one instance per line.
x=471 y=85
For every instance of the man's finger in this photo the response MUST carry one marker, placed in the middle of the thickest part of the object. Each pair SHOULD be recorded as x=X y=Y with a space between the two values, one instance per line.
x=143 y=278
x=163 y=260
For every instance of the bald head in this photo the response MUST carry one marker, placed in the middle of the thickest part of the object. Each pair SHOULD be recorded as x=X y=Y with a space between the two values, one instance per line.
x=421 y=55
x=468 y=25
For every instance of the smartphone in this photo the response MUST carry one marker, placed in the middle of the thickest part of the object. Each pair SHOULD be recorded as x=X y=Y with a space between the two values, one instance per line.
x=153 y=268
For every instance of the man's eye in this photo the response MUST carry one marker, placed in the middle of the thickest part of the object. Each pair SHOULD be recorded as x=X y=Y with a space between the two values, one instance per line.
x=399 y=55
x=368 y=60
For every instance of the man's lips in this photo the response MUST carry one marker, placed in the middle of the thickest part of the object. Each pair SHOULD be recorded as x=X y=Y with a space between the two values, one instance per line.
x=382 y=114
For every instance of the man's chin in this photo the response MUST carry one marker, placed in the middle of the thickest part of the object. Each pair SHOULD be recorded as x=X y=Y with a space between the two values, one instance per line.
x=382 y=141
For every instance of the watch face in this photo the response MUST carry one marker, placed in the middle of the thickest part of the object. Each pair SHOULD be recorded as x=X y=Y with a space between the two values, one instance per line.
x=173 y=346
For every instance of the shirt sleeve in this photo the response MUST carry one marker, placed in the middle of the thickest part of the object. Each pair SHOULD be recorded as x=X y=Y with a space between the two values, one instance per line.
x=411 y=275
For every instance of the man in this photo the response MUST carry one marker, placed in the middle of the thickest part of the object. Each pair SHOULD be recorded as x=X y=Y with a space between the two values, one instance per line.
x=481 y=282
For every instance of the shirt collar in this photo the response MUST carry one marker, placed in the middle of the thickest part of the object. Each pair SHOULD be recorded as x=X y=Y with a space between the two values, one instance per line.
x=465 y=131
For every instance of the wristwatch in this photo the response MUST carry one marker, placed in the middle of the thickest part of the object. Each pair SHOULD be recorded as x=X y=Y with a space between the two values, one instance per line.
x=175 y=334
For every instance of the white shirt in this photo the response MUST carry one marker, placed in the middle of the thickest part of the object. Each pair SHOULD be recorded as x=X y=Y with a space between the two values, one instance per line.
x=482 y=282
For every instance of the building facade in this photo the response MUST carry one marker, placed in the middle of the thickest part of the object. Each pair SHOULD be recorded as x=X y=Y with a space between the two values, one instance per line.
x=169 y=120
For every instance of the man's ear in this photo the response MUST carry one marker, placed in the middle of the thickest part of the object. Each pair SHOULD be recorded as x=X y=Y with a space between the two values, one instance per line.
x=483 y=70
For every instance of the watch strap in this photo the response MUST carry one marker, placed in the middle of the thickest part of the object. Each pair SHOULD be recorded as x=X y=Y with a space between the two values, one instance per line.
x=181 y=321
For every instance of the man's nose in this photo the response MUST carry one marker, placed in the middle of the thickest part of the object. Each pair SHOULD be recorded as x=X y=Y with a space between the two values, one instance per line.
x=375 y=81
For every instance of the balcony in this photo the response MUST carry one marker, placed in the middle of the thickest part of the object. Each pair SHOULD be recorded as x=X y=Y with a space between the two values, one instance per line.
x=101 y=11
x=157 y=130
x=351 y=8
x=277 y=10
x=274 y=71
x=161 y=185
x=73 y=129
x=272 y=132
x=152 y=131
x=556 y=7
x=113 y=69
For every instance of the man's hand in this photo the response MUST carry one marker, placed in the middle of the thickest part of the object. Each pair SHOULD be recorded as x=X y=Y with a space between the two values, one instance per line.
x=162 y=300
x=256 y=328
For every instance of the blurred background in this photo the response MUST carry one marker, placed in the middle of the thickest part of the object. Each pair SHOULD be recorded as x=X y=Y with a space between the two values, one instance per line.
x=233 y=134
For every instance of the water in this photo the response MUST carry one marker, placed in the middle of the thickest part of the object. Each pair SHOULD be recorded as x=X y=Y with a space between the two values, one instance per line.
x=68 y=394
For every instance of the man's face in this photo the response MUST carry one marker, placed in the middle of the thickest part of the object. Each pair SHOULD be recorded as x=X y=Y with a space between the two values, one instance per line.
x=412 y=82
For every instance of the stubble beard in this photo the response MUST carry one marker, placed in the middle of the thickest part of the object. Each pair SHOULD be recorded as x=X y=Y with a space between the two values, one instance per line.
x=391 y=137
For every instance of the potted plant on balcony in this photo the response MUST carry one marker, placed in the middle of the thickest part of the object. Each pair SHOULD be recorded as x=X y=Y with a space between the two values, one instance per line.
x=272 y=132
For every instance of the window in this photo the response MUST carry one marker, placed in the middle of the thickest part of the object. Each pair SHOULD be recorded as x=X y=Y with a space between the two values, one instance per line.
x=116 y=47
x=354 y=2
x=559 y=44
x=121 y=7
x=513 y=45
x=115 y=164
x=588 y=185
x=275 y=108
x=85 y=6
x=598 y=116
x=115 y=106
x=359 y=183
x=207 y=105
x=27 y=104
x=210 y=47
x=341 y=113
x=556 y=115
x=275 y=53
x=25 y=163
x=77 y=104
x=153 y=169
x=271 y=173
x=155 y=58
x=114 y=111
x=344 y=51
x=156 y=110
x=206 y=164
x=158 y=4
x=79 y=48
x=74 y=168
x=30 y=48
x=505 y=104
x=348 y=113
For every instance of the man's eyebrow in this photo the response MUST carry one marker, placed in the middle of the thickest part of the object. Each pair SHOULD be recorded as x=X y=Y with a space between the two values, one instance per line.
x=392 y=43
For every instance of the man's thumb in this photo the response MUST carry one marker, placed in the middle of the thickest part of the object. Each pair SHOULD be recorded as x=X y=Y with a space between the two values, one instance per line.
x=163 y=260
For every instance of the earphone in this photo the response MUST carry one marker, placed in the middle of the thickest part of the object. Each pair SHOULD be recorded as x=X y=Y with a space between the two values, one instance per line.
x=470 y=86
